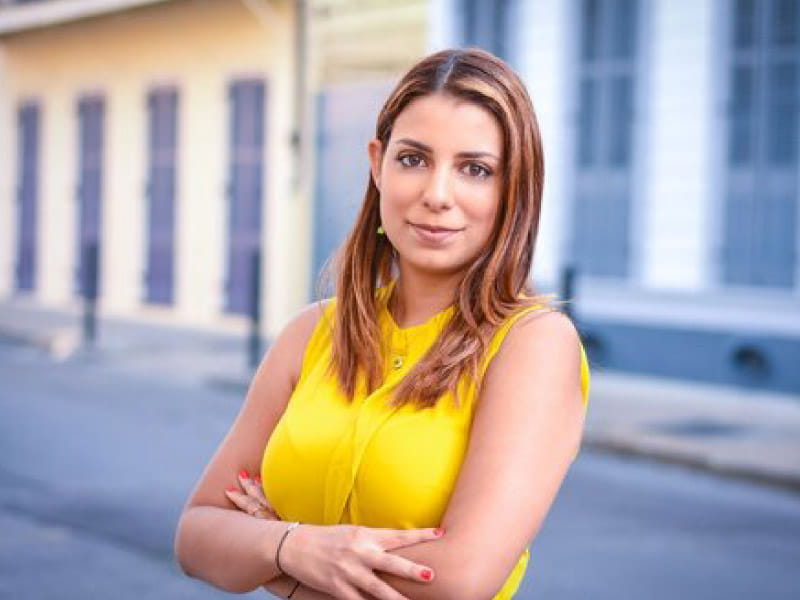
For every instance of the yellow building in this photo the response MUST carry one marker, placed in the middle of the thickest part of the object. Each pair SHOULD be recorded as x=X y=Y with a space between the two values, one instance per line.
x=162 y=132
x=176 y=138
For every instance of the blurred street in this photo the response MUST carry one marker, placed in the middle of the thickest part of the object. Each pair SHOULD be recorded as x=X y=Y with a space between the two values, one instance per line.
x=178 y=176
x=98 y=454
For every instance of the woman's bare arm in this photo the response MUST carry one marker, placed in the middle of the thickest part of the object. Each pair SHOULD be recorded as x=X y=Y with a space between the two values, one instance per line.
x=215 y=542
x=526 y=433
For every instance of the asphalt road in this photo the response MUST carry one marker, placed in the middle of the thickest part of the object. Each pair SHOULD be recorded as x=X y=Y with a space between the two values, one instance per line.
x=96 y=460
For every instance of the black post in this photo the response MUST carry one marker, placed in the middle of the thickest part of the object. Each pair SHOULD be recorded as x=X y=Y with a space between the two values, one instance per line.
x=89 y=287
x=254 y=341
x=568 y=289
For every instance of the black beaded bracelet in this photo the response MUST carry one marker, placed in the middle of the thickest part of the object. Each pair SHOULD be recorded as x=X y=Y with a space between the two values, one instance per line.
x=296 y=585
x=278 y=551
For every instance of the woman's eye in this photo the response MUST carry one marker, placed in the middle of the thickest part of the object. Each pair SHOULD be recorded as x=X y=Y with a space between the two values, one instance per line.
x=477 y=170
x=410 y=160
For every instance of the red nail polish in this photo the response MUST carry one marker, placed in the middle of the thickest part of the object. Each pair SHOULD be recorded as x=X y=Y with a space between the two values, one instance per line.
x=439 y=532
x=257 y=478
x=426 y=574
x=244 y=474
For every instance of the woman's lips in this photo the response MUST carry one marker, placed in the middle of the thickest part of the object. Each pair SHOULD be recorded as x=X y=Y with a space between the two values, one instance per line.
x=434 y=236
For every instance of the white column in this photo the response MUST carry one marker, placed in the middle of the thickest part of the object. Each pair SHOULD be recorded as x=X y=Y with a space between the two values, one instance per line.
x=58 y=203
x=542 y=53
x=124 y=200
x=8 y=214
x=201 y=203
x=675 y=242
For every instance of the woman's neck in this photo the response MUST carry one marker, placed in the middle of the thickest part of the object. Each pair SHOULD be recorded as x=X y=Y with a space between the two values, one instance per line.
x=415 y=298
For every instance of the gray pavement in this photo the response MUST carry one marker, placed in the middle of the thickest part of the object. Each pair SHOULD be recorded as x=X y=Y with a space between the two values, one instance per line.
x=732 y=431
x=97 y=460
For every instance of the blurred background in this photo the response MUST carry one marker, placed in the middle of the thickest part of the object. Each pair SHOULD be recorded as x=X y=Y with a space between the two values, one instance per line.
x=175 y=173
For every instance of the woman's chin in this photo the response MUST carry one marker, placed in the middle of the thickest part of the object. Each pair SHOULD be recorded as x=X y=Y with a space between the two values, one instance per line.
x=439 y=265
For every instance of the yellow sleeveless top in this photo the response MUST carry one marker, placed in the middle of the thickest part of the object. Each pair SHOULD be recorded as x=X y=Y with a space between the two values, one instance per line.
x=332 y=462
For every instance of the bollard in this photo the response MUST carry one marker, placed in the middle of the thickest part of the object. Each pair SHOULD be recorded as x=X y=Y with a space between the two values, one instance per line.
x=89 y=287
x=568 y=289
x=254 y=341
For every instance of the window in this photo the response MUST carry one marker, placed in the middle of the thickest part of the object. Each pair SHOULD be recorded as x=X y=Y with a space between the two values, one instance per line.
x=761 y=188
x=485 y=24
x=162 y=108
x=605 y=128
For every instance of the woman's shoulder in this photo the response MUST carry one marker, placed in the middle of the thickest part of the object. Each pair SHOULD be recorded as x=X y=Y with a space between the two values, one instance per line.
x=540 y=330
x=299 y=331
x=305 y=320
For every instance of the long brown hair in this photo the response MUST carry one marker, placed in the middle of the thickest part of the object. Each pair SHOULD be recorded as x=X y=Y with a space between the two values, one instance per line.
x=491 y=287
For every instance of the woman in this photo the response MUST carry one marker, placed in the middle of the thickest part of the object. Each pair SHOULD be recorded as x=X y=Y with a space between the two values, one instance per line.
x=434 y=391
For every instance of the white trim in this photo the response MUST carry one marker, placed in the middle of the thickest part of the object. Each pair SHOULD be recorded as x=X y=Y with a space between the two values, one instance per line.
x=718 y=116
x=568 y=119
x=442 y=26
x=640 y=198
x=23 y=17
x=8 y=182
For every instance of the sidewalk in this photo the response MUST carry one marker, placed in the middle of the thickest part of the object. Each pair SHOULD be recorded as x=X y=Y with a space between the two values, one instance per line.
x=171 y=351
x=731 y=431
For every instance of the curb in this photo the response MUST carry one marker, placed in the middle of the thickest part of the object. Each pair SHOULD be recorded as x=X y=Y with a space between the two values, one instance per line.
x=60 y=343
x=627 y=447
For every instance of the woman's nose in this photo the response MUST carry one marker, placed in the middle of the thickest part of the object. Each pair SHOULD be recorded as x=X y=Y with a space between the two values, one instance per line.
x=439 y=191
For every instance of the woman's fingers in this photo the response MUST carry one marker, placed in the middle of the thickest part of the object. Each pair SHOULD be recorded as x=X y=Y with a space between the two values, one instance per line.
x=380 y=560
x=253 y=487
x=342 y=560
x=390 y=539
x=248 y=504
x=348 y=592
x=402 y=567
x=377 y=588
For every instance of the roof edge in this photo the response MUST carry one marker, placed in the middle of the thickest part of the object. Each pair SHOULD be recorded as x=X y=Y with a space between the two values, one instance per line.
x=18 y=18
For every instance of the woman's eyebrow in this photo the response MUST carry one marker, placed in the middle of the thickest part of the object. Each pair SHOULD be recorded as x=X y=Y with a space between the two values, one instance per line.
x=428 y=149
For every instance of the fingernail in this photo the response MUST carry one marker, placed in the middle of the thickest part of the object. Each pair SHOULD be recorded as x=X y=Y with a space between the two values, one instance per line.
x=257 y=478
x=438 y=532
x=231 y=488
x=426 y=574
x=244 y=474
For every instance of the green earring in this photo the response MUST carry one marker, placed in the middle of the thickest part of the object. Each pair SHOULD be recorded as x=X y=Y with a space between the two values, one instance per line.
x=380 y=230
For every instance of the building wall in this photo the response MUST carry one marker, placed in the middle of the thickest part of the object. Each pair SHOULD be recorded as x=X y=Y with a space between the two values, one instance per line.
x=670 y=315
x=363 y=40
x=200 y=47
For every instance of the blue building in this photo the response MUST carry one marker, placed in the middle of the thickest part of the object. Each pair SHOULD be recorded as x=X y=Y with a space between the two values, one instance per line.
x=671 y=135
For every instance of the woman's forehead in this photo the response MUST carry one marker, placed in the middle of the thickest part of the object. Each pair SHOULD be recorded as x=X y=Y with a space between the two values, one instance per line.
x=444 y=122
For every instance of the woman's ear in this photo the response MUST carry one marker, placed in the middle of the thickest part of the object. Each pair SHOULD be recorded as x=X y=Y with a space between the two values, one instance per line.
x=375 y=151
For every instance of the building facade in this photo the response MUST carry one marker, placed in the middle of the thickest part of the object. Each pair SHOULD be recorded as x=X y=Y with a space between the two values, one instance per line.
x=151 y=139
x=163 y=133
x=169 y=144
x=671 y=136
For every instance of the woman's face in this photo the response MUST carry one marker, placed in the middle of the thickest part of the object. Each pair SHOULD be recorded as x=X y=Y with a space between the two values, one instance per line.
x=440 y=182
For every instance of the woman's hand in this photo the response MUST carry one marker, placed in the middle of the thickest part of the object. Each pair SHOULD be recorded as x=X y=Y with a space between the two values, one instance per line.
x=340 y=559
x=252 y=501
